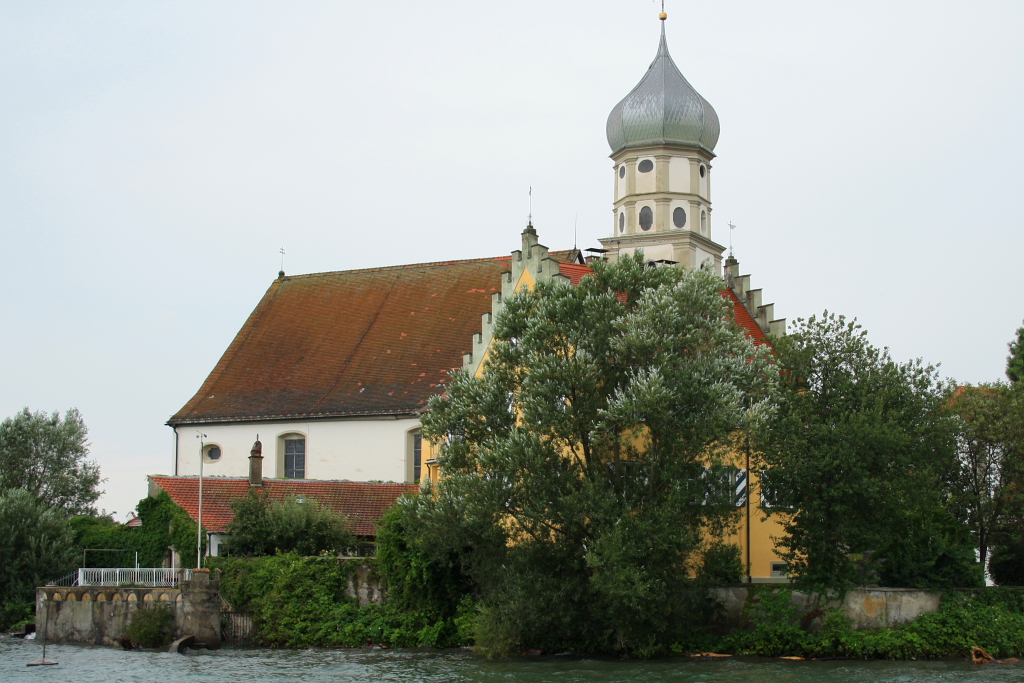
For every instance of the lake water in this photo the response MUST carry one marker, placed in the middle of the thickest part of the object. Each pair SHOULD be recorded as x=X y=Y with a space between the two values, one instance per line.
x=88 y=664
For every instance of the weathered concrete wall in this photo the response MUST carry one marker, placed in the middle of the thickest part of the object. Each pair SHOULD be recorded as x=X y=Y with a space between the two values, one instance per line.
x=867 y=608
x=364 y=585
x=99 y=614
x=96 y=614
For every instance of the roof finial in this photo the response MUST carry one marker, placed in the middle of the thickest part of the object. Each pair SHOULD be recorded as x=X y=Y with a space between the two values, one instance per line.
x=663 y=16
x=731 y=228
x=280 y=273
x=529 y=218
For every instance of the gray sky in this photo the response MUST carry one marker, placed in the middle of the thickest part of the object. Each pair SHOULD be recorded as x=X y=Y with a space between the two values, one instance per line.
x=155 y=156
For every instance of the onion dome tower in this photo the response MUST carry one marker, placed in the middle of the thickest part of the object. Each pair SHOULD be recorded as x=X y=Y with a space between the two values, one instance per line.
x=663 y=136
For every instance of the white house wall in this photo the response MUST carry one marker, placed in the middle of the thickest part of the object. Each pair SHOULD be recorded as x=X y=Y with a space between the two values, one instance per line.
x=357 y=450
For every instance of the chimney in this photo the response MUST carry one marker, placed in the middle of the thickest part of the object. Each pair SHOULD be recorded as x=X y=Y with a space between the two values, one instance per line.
x=256 y=464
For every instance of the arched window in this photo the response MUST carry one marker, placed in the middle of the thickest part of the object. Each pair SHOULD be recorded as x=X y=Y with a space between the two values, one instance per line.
x=704 y=222
x=291 y=450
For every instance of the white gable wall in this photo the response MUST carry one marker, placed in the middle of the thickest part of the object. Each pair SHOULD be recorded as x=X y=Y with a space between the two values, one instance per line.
x=367 y=449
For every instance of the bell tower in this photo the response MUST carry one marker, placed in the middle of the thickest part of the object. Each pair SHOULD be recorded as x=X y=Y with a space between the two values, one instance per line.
x=663 y=135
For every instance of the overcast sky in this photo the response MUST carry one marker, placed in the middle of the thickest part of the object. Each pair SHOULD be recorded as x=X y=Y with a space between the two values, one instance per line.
x=155 y=156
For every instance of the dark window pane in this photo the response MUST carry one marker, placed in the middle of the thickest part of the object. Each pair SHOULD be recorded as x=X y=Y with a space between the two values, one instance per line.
x=679 y=217
x=622 y=222
x=622 y=171
x=213 y=453
x=295 y=458
x=645 y=166
x=417 y=453
x=646 y=218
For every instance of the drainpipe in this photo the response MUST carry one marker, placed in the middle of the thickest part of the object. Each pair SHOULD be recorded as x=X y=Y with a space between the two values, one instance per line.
x=750 y=490
x=175 y=428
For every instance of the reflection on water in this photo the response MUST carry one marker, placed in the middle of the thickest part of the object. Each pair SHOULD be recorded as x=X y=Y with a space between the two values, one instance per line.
x=87 y=664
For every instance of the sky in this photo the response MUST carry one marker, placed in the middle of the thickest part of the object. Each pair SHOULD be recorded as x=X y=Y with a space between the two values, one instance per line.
x=155 y=157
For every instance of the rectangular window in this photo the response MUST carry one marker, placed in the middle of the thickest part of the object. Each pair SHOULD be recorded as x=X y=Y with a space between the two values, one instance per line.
x=780 y=570
x=417 y=455
x=295 y=458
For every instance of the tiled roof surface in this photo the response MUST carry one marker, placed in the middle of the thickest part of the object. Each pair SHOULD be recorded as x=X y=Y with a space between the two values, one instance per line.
x=357 y=342
x=361 y=502
x=574 y=271
x=745 y=320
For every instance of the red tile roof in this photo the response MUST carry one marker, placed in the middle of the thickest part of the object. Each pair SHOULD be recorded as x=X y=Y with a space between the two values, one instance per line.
x=359 y=342
x=745 y=320
x=574 y=271
x=363 y=503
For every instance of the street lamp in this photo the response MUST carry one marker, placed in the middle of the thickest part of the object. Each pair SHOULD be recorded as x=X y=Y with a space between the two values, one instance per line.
x=199 y=529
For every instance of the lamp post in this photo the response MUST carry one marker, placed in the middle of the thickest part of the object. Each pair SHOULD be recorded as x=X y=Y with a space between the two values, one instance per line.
x=199 y=529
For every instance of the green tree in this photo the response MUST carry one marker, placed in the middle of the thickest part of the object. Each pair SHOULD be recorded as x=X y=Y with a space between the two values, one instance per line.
x=102 y=532
x=47 y=456
x=262 y=526
x=1015 y=361
x=37 y=545
x=990 y=443
x=582 y=470
x=857 y=460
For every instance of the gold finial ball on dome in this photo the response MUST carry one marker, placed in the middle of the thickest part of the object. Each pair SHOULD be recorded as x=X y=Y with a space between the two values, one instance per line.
x=663 y=16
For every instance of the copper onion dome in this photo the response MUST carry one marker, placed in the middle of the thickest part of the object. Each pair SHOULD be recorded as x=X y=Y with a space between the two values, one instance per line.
x=663 y=109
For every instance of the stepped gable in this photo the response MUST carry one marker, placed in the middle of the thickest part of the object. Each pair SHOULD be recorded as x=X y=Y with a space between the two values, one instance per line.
x=378 y=341
x=363 y=503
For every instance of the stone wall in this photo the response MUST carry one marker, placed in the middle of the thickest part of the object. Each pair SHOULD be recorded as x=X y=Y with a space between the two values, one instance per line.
x=867 y=608
x=364 y=585
x=99 y=614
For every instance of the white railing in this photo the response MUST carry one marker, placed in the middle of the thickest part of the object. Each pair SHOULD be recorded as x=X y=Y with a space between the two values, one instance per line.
x=152 y=578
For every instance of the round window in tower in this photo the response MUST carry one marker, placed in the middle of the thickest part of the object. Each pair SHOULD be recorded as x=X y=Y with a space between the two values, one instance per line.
x=702 y=171
x=646 y=218
x=622 y=171
x=622 y=222
x=213 y=453
x=679 y=217
x=645 y=166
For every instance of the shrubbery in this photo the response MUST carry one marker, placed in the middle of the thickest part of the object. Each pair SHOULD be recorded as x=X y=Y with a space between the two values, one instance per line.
x=151 y=626
x=301 y=602
x=262 y=526
x=990 y=618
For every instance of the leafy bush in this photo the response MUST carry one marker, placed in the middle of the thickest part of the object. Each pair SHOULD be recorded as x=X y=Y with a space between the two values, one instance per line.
x=991 y=619
x=151 y=626
x=265 y=527
x=301 y=602
x=721 y=564
x=14 y=614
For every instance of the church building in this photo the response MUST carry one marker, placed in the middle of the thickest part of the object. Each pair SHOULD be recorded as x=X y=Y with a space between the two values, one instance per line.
x=332 y=371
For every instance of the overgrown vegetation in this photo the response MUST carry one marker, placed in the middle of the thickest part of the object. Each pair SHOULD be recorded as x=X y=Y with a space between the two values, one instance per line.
x=992 y=619
x=296 y=525
x=301 y=602
x=151 y=626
